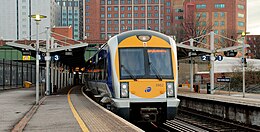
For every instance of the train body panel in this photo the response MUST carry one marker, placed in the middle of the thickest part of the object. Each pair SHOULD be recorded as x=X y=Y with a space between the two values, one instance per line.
x=140 y=71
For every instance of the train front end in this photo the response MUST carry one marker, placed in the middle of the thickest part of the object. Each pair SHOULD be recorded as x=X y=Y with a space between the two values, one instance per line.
x=145 y=76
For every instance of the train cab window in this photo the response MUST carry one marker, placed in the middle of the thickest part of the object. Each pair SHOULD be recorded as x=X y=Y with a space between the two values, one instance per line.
x=131 y=63
x=160 y=62
x=137 y=63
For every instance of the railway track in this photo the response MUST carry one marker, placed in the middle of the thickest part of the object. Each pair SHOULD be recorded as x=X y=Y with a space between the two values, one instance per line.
x=196 y=122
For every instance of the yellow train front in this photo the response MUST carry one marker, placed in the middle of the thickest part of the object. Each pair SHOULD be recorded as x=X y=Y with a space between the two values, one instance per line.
x=140 y=76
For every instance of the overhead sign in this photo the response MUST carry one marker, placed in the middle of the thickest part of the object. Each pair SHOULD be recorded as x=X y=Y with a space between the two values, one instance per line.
x=26 y=57
x=227 y=79
x=68 y=53
x=216 y=58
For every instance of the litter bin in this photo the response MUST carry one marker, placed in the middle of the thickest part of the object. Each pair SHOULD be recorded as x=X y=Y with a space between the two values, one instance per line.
x=27 y=84
x=196 y=88
x=208 y=88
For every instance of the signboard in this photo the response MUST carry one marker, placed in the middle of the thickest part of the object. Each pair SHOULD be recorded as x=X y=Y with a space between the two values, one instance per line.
x=227 y=79
x=26 y=57
x=207 y=58
x=68 y=52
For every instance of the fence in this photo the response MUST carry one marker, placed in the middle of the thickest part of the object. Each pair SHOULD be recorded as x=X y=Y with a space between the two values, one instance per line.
x=14 y=73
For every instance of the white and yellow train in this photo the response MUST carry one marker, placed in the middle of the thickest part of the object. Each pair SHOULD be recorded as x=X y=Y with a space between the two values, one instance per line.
x=135 y=74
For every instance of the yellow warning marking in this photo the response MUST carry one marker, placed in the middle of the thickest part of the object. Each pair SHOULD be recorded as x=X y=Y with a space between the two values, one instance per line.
x=76 y=115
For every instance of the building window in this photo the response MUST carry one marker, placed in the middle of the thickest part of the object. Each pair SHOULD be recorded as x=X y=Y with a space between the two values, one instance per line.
x=102 y=15
x=198 y=15
x=204 y=15
x=102 y=2
x=168 y=3
x=142 y=8
x=156 y=8
x=222 y=31
x=116 y=15
x=122 y=15
x=222 y=14
x=109 y=8
x=215 y=14
x=109 y=22
x=149 y=8
x=129 y=8
x=87 y=28
x=201 y=6
x=168 y=10
x=115 y=2
x=116 y=22
x=142 y=21
x=129 y=15
x=129 y=1
x=116 y=8
x=203 y=23
x=149 y=14
x=216 y=23
x=129 y=21
x=240 y=15
x=76 y=4
x=149 y=21
x=109 y=2
x=135 y=8
x=122 y=8
x=241 y=24
x=122 y=22
x=219 y=5
x=178 y=10
x=135 y=21
x=222 y=23
x=109 y=15
x=142 y=15
x=102 y=29
x=241 y=7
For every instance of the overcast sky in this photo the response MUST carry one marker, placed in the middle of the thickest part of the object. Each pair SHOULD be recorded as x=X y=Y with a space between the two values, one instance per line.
x=253 y=17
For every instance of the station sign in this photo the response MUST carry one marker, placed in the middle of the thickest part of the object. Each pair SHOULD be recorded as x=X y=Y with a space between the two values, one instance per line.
x=26 y=57
x=51 y=58
x=216 y=58
x=227 y=79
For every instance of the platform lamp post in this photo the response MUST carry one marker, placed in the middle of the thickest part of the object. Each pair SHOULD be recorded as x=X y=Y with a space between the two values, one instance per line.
x=37 y=18
x=243 y=34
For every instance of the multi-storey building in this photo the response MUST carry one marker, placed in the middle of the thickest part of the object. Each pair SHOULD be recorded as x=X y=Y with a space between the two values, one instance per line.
x=254 y=50
x=225 y=17
x=15 y=23
x=105 y=18
x=72 y=15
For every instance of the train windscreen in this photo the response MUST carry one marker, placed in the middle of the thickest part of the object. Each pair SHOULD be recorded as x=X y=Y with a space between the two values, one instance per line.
x=138 y=63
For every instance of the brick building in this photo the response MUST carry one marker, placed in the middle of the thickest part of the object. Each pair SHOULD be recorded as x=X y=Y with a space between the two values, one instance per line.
x=106 y=18
x=254 y=50
x=226 y=17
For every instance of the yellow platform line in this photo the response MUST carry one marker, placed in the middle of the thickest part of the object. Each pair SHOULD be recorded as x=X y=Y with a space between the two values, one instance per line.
x=76 y=115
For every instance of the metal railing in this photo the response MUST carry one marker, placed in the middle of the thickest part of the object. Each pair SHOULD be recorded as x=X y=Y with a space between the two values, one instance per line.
x=14 y=73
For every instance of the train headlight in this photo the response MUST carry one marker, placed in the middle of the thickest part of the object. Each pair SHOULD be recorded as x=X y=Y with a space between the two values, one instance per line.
x=170 y=89
x=124 y=90
x=144 y=38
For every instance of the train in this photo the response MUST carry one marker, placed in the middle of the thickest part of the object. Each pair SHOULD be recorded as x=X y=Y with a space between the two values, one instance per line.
x=135 y=76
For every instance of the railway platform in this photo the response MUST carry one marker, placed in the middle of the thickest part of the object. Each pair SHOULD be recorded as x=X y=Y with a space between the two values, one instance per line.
x=68 y=110
x=224 y=105
x=225 y=96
